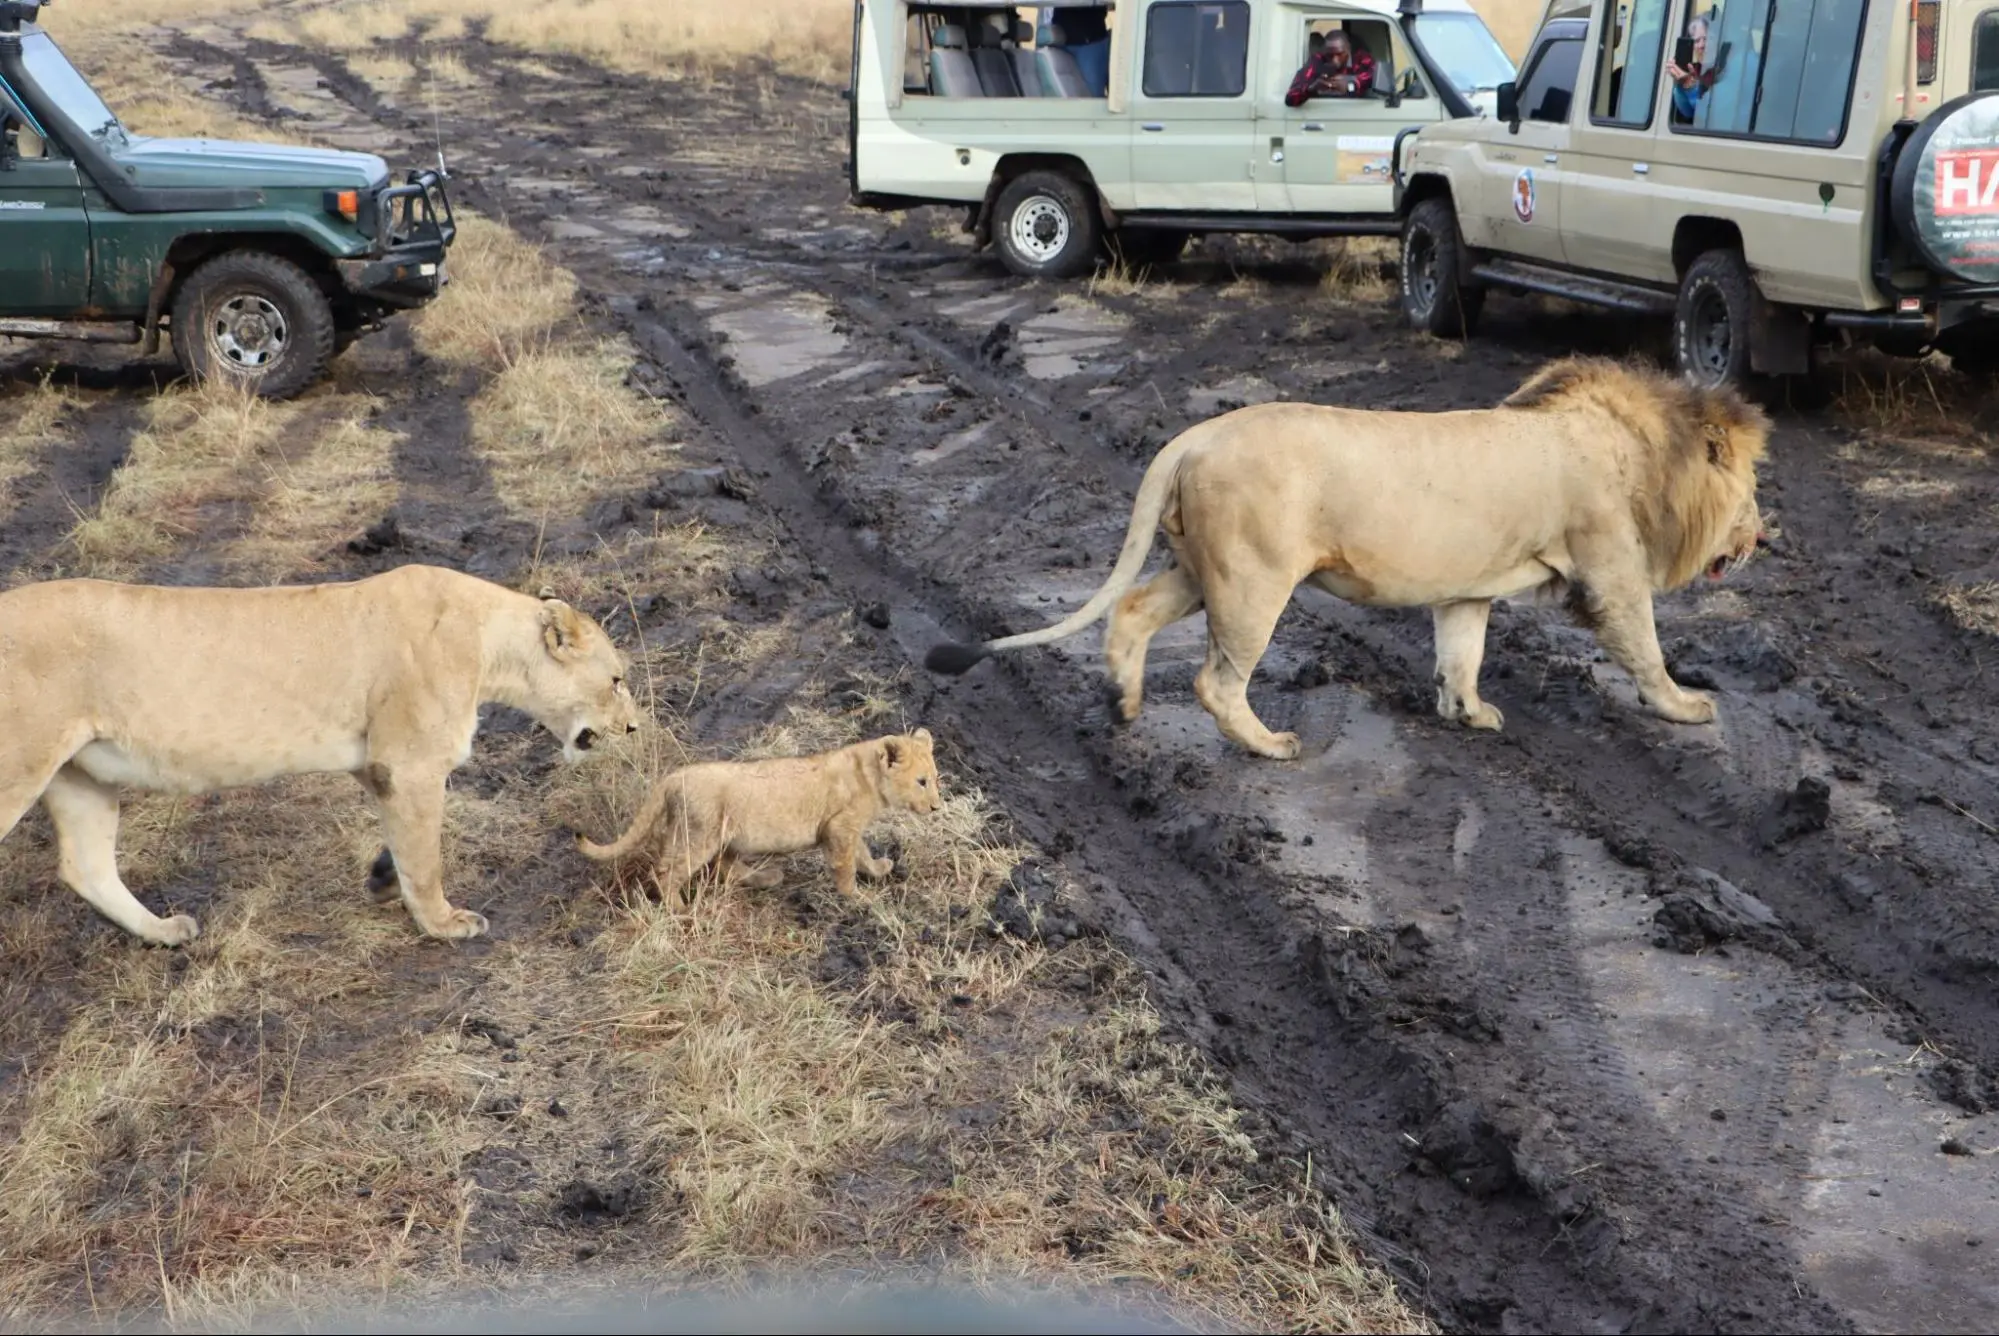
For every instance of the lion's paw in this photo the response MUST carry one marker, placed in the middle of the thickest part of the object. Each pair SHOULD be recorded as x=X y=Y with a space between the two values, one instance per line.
x=1692 y=707
x=459 y=925
x=176 y=931
x=1486 y=716
x=1283 y=747
x=880 y=868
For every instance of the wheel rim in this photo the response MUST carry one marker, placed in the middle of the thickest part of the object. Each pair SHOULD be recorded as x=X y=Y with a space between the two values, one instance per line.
x=1420 y=264
x=249 y=331
x=1040 y=228
x=1710 y=344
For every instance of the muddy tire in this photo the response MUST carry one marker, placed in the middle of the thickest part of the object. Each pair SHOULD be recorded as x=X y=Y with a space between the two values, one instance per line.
x=1045 y=225
x=1147 y=246
x=1711 y=321
x=1434 y=297
x=255 y=319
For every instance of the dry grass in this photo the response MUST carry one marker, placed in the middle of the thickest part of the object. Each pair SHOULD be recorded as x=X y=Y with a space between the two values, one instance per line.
x=1358 y=270
x=30 y=421
x=1921 y=403
x=320 y=492
x=203 y=446
x=504 y=300
x=1973 y=607
x=1513 y=22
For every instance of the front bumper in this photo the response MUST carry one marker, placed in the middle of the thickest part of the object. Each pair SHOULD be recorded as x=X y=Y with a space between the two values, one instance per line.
x=414 y=227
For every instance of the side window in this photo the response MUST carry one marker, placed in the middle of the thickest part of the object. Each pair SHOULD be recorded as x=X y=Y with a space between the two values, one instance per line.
x=1628 y=62
x=1551 y=84
x=1370 y=41
x=1928 y=12
x=1197 y=50
x=1761 y=69
x=1985 y=53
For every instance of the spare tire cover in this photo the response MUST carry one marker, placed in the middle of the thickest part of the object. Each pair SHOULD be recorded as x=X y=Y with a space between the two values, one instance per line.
x=1945 y=191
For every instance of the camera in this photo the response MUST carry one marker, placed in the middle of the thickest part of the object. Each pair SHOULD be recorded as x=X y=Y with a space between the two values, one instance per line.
x=13 y=13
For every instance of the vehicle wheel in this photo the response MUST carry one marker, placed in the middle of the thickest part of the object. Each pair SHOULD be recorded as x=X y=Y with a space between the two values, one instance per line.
x=1711 y=322
x=255 y=319
x=1045 y=226
x=1148 y=246
x=1434 y=297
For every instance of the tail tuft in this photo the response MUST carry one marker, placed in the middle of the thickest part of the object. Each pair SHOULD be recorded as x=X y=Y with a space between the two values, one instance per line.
x=952 y=659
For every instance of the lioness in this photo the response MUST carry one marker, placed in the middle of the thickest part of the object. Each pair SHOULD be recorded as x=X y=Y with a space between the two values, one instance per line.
x=190 y=690
x=1599 y=481
x=721 y=812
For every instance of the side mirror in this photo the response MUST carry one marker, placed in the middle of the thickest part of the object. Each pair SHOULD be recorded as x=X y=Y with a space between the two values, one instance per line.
x=1509 y=103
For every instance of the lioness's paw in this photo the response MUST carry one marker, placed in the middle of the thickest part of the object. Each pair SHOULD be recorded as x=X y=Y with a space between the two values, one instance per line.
x=176 y=931
x=1691 y=707
x=1486 y=716
x=459 y=925
x=880 y=868
x=1283 y=747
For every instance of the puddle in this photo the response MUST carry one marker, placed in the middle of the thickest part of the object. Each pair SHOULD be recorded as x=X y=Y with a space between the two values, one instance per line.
x=1238 y=392
x=780 y=339
x=952 y=444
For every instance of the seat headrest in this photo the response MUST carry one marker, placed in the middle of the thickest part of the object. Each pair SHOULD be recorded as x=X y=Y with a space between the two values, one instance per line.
x=1022 y=30
x=950 y=37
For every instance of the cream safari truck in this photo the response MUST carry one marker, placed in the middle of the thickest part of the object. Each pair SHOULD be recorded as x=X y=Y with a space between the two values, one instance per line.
x=1768 y=175
x=1144 y=122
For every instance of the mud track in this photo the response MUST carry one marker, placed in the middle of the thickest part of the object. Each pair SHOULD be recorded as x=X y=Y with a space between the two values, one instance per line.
x=1602 y=1024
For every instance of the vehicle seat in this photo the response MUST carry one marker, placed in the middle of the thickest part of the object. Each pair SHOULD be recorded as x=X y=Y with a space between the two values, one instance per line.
x=1060 y=75
x=994 y=63
x=1025 y=72
x=952 y=73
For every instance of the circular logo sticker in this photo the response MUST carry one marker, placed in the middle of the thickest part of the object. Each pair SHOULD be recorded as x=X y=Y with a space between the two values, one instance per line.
x=1523 y=195
x=1945 y=193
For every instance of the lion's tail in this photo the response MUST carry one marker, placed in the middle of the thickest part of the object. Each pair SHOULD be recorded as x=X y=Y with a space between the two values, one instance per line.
x=1155 y=492
x=648 y=816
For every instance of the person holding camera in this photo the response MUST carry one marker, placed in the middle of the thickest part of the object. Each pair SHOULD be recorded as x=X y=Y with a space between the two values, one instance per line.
x=1333 y=70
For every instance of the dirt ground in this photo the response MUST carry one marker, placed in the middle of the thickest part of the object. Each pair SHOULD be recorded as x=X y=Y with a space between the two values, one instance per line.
x=1600 y=1024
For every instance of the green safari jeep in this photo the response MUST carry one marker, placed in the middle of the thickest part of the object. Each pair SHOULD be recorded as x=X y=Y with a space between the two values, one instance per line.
x=264 y=261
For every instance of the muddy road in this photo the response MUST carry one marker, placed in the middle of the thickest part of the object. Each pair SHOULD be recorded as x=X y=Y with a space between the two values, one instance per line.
x=1601 y=1024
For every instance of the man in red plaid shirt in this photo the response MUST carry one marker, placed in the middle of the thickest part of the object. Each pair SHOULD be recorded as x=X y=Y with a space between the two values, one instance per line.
x=1335 y=70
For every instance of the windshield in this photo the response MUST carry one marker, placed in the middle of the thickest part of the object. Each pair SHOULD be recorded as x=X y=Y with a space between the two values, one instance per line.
x=1464 y=51
x=62 y=85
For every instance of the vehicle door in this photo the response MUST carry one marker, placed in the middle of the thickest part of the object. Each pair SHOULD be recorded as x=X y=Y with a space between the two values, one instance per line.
x=44 y=232
x=1523 y=171
x=1192 y=113
x=1985 y=53
x=1329 y=155
x=1612 y=219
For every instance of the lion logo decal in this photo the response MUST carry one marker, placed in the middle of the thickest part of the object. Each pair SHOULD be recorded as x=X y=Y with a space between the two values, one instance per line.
x=1523 y=195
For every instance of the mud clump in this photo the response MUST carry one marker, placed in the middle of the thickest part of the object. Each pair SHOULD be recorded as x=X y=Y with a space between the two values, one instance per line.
x=384 y=535
x=1462 y=1144
x=1958 y=1082
x=582 y=1202
x=1031 y=908
x=1805 y=809
x=1699 y=911
x=1569 y=693
x=1745 y=652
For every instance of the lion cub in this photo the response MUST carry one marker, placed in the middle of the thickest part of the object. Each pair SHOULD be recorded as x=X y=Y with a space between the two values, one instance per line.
x=722 y=812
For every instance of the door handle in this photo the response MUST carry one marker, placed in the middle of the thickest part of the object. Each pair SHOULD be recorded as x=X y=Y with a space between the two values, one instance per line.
x=1547 y=157
x=1152 y=125
x=1642 y=168
x=1311 y=125
x=1276 y=148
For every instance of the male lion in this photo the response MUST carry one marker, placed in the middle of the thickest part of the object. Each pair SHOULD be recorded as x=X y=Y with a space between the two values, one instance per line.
x=190 y=690
x=1599 y=481
x=721 y=812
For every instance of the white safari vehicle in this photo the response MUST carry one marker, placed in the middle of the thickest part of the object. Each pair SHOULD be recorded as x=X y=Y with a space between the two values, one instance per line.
x=1767 y=174
x=1147 y=121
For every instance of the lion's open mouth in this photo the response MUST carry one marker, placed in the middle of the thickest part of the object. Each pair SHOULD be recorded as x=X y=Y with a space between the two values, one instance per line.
x=586 y=739
x=1718 y=567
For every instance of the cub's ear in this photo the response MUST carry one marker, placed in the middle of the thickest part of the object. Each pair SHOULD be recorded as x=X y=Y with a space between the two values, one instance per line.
x=561 y=628
x=893 y=752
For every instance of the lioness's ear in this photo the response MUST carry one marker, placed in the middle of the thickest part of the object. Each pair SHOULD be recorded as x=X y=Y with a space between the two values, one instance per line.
x=921 y=735
x=561 y=628
x=892 y=752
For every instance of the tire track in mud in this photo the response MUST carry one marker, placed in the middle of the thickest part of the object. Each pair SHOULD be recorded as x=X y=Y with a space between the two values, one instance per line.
x=1610 y=1257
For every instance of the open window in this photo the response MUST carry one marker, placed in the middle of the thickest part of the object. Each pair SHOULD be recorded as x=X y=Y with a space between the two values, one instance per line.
x=1780 y=72
x=1365 y=37
x=971 y=51
x=19 y=136
x=1630 y=54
